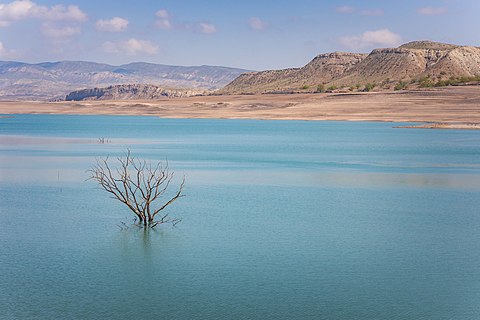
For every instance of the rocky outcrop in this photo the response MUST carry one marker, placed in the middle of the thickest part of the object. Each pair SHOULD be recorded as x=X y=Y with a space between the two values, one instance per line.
x=412 y=61
x=129 y=92
x=428 y=45
x=458 y=62
x=409 y=62
x=392 y=65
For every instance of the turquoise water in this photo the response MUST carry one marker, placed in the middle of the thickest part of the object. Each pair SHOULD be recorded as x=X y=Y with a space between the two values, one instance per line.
x=282 y=220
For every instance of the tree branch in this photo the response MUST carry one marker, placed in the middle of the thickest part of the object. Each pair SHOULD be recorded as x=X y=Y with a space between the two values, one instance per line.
x=139 y=185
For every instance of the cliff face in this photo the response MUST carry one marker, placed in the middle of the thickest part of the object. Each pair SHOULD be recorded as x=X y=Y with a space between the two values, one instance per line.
x=323 y=68
x=129 y=92
x=415 y=60
x=394 y=64
x=408 y=62
x=461 y=61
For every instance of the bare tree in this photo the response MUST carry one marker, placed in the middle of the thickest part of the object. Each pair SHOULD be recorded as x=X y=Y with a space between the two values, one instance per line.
x=140 y=185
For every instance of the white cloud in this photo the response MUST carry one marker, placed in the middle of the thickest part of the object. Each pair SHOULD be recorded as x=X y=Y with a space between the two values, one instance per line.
x=15 y=10
x=130 y=47
x=363 y=12
x=162 y=14
x=26 y=9
x=431 y=11
x=257 y=23
x=371 y=39
x=372 y=12
x=60 y=12
x=115 y=24
x=6 y=53
x=59 y=33
x=345 y=9
x=163 y=21
x=163 y=24
x=207 y=28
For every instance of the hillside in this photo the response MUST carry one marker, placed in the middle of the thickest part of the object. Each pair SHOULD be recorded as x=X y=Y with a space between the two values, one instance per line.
x=412 y=61
x=417 y=63
x=50 y=80
x=129 y=92
x=322 y=69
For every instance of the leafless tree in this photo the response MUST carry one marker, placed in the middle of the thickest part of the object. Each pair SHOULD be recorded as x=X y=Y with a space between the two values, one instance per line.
x=140 y=185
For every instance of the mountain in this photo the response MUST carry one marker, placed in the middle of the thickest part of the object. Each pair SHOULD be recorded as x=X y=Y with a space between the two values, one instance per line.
x=322 y=69
x=410 y=63
x=130 y=92
x=50 y=80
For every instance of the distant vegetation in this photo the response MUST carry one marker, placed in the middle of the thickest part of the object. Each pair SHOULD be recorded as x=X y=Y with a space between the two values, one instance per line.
x=369 y=87
x=321 y=88
x=425 y=82
x=400 y=85
x=457 y=80
x=428 y=81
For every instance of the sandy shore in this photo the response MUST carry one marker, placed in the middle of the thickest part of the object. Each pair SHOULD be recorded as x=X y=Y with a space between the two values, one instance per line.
x=451 y=107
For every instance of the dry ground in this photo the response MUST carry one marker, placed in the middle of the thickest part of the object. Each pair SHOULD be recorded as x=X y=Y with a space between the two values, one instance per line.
x=441 y=108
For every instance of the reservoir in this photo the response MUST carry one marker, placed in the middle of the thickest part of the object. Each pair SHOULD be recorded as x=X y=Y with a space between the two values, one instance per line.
x=281 y=220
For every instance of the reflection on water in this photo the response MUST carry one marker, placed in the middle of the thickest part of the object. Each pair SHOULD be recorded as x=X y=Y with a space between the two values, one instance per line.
x=282 y=220
x=139 y=243
x=65 y=170
x=334 y=178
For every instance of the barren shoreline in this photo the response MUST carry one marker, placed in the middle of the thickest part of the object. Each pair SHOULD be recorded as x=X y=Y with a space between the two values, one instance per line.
x=450 y=107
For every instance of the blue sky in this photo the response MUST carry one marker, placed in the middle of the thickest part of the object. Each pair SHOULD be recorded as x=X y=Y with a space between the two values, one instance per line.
x=248 y=34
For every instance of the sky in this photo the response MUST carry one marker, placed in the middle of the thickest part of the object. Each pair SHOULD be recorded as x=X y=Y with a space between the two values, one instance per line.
x=249 y=34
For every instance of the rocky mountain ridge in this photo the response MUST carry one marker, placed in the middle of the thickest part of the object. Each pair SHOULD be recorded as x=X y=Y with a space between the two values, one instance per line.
x=130 y=92
x=410 y=63
x=322 y=69
x=50 y=80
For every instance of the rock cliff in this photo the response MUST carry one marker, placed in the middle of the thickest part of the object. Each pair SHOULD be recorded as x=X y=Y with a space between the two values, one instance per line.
x=129 y=92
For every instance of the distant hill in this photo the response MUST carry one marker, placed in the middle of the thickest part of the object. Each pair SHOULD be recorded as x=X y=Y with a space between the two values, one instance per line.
x=420 y=63
x=323 y=69
x=130 y=92
x=50 y=80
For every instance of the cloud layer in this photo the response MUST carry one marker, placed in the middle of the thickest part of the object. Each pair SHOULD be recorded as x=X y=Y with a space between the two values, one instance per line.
x=345 y=9
x=131 y=47
x=59 y=33
x=257 y=23
x=26 y=9
x=432 y=11
x=207 y=28
x=363 y=12
x=163 y=19
x=115 y=24
x=370 y=39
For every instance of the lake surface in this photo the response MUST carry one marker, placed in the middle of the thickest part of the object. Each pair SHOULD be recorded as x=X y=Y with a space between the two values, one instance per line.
x=282 y=220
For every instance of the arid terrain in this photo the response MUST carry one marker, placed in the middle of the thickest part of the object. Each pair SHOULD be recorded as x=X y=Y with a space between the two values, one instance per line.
x=417 y=64
x=54 y=80
x=449 y=107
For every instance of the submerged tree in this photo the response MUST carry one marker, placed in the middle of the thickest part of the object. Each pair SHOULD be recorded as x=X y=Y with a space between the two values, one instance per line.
x=140 y=185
